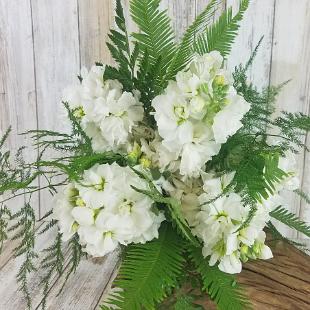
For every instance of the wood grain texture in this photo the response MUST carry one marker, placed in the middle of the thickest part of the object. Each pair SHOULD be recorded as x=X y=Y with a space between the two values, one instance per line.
x=12 y=298
x=258 y=22
x=95 y=21
x=86 y=287
x=182 y=12
x=280 y=283
x=291 y=61
x=17 y=78
x=57 y=63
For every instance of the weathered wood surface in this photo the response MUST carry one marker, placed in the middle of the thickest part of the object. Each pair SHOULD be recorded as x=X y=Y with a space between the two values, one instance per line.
x=83 y=291
x=280 y=283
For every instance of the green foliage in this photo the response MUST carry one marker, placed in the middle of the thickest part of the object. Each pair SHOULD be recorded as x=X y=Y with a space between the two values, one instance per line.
x=25 y=232
x=120 y=51
x=277 y=236
x=75 y=254
x=291 y=220
x=258 y=119
x=303 y=195
x=186 y=303
x=221 y=287
x=53 y=262
x=148 y=272
x=156 y=35
x=184 y=51
x=293 y=127
x=221 y=35
x=255 y=163
x=5 y=216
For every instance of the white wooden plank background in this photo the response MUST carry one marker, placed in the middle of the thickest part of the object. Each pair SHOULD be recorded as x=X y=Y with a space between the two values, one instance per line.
x=43 y=45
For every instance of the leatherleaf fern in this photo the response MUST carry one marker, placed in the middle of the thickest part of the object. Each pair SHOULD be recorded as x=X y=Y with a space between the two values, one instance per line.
x=221 y=287
x=291 y=220
x=221 y=35
x=149 y=272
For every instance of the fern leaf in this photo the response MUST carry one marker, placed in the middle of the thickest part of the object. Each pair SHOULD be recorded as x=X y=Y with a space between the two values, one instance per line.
x=221 y=287
x=149 y=271
x=119 y=48
x=291 y=220
x=278 y=236
x=185 y=49
x=221 y=35
x=156 y=34
x=303 y=195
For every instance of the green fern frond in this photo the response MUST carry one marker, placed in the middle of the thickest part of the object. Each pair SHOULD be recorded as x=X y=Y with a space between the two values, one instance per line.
x=5 y=216
x=156 y=34
x=221 y=287
x=303 y=195
x=277 y=236
x=184 y=52
x=75 y=256
x=186 y=303
x=119 y=48
x=149 y=272
x=258 y=173
x=294 y=127
x=221 y=35
x=53 y=262
x=25 y=231
x=291 y=220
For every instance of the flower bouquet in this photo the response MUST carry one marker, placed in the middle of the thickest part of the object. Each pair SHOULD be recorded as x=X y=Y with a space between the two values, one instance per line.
x=172 y=159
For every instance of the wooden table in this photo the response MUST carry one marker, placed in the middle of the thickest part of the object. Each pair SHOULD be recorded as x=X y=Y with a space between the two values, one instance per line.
x=280 y=283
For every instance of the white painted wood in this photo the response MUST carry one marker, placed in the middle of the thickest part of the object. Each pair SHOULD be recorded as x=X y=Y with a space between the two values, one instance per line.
x=84 y=289
x=95 y=21
x=17 y=79
x=290 y=60
x=182 y=13
x=57 y=62
x=258 y=22
x=11 y=297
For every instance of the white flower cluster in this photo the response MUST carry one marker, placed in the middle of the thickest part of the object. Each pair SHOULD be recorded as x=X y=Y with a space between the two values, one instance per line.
x=106 y=211
x=197 y=113
x=217 y=219
x=107 y=114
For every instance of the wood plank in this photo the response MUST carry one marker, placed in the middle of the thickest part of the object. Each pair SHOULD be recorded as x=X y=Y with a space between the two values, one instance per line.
x=279 y=283
x=57 y=62
x=85 y=288
x=182 y=13
x=95 y=21
x=290 y=60
x=17 y=79
x=12 y=298
x=257 y=22
x=201 y=5
x=304 y=211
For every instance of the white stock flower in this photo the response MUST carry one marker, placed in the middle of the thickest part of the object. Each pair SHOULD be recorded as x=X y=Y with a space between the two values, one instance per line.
x=198 y=112
x=107 y=114
x=228 y=121
x=106 y=211
x=219 y=222
x=62 y=211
